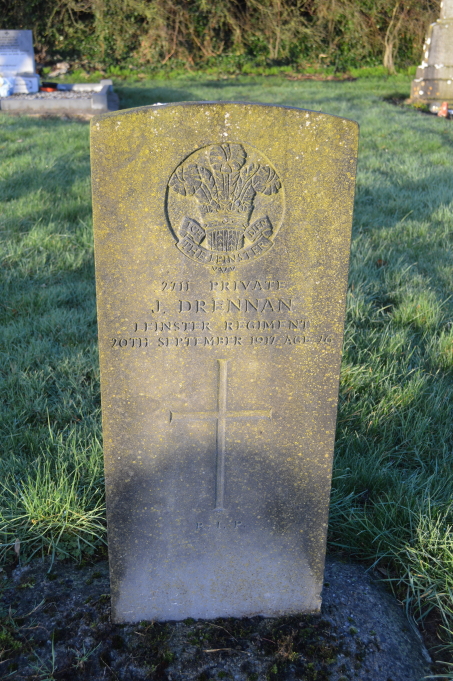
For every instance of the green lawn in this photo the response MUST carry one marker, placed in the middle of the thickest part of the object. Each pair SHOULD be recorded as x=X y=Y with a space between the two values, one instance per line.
x=393 y=479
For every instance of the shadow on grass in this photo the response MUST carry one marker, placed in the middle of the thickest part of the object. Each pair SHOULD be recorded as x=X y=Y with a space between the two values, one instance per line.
x=143 y=95
x=390 y=199
x=146 y=95
x=57 y=179
x=137 y=95
x=45 y=180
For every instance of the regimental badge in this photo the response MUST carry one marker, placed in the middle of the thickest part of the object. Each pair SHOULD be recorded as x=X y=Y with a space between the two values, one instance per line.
x=225 y=204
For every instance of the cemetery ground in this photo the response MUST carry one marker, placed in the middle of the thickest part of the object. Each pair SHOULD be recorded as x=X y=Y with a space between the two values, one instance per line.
x=393 y=476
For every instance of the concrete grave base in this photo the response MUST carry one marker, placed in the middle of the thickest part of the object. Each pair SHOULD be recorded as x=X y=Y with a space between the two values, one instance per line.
x=79 y=98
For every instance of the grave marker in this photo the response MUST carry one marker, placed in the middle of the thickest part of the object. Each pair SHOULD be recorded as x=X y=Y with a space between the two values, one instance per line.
x=16 y=52
x=222 y=237
x=17 y=59
x=433 y=82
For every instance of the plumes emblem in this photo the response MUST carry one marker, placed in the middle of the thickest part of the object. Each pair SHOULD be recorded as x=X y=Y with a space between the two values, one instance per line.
x=224 y=183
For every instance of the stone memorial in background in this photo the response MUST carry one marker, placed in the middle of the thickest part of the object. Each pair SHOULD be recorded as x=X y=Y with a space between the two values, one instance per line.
x=433 y=82
x=18 y=77
x=17 y=60
x=222 y=235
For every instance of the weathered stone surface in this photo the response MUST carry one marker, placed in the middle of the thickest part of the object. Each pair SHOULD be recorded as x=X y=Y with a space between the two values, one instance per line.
x=222 y=238
x=434 y=78
x=16 y=53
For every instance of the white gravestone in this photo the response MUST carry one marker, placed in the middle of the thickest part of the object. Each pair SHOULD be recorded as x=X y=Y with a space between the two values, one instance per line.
x=17 y=60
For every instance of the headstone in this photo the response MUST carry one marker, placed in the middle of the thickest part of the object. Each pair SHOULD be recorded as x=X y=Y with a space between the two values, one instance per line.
x=16 y=52
x=17 y=76
x=222 y=236
x=17 y=60
x=433 y=82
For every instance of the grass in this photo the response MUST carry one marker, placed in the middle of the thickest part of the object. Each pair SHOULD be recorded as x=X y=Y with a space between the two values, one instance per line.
x=226 y=67
x=51 y=469
x=393 y=480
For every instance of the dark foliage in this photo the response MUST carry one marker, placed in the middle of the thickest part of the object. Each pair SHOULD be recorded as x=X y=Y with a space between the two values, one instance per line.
x=339 y=33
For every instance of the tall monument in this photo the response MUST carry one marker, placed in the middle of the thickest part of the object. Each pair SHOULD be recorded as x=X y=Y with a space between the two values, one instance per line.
x=433 y=82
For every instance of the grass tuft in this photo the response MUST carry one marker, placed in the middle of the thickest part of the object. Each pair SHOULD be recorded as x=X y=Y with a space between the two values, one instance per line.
x=57 y=507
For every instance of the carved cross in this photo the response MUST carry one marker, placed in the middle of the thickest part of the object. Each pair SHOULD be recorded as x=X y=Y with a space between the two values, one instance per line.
x=221 y=416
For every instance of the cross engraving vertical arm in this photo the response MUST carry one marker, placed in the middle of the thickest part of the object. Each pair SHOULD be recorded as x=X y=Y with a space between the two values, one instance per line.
x=221 y=435
x=221 y=416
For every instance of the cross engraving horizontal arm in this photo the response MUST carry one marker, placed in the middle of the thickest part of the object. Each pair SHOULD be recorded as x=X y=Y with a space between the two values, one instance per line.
x=214 y=415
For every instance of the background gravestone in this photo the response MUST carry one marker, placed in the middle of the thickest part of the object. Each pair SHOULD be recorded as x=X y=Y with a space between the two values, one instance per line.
x=17 y=62
x=222 y=236
x=17 y=59
x=434 y=78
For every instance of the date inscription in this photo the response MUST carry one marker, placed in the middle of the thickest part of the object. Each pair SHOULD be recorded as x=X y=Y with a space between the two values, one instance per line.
x=219 y=341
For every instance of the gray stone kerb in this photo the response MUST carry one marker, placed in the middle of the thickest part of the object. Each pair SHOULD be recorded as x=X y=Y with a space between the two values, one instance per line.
x=68 y=99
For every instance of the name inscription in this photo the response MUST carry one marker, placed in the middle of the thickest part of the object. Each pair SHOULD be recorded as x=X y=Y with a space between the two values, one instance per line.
x=208 y=306
x=159 y=330
x=236 y=305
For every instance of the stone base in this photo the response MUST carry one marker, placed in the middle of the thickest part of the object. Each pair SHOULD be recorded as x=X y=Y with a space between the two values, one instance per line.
x=434 y=77
x=431 y=89
x=73 y=99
